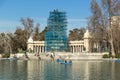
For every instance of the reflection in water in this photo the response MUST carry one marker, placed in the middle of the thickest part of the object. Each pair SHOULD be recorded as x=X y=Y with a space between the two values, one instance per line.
x=13 y=70
x=47 y=70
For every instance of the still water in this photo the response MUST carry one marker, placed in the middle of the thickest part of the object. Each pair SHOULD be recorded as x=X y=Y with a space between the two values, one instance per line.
x=47 y=70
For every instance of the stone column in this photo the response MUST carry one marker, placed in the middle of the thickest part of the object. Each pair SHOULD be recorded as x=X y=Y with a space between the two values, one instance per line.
x=72 y=49
x=75 y=49
x=82 y=48
x=39 y=49
x=43 y=48
x=79 y=48
x=36 y=48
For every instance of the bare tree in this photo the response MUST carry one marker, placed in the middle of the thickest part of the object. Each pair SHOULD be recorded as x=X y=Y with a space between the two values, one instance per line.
x=96 y=25
x=111 y=8
x=36 y=35
x=101 y=20
x=28 y=26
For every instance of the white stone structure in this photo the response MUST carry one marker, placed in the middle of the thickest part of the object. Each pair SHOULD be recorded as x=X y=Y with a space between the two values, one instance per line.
x=74 y=46
x=36 y=46
x=87 y=37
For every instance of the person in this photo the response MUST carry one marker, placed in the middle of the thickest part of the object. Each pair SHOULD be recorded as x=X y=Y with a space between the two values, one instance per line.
x=26 y=56
x=39 y=57
x=68 y=59
x=65 y=61
x=52 y=57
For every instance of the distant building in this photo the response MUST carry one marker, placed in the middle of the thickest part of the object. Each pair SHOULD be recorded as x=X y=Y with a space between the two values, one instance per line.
x=74 y=46
x=56 y=37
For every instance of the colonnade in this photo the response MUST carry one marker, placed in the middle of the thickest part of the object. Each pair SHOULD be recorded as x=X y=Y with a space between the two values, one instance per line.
x=76 y=48
x=38 y=49
x=73 y=49
x=39 y=46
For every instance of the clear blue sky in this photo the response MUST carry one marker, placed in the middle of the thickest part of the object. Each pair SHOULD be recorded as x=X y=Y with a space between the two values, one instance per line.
x=12 y=10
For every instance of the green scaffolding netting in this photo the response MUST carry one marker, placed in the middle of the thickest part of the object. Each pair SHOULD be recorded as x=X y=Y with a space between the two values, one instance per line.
x=56 y=35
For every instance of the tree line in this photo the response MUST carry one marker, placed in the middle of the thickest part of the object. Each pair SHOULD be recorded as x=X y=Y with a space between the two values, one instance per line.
x=103 y=30
x=12 y=42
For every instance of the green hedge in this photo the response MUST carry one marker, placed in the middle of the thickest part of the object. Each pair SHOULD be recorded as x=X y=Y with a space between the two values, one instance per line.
x=117 y=55
x=6 y=55
x=106 y=56
x=20 y=50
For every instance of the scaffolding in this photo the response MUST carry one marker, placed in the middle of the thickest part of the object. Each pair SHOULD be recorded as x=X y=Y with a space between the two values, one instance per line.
x=56 y=35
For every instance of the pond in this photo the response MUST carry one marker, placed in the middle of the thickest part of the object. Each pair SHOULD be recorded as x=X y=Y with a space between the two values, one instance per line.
x=47 y=70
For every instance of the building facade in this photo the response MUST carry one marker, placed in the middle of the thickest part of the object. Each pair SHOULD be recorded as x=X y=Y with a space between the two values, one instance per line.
x=56 y=37
x=74 y=46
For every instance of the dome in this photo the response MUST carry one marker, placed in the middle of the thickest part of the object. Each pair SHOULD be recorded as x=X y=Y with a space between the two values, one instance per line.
x=87 y=34
x=30 y=39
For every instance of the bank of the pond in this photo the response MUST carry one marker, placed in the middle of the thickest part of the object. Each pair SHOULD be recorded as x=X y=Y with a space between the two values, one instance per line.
x=48 y=56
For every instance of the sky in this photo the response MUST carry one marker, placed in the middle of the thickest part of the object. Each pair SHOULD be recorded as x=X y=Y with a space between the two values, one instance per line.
x=11 y=11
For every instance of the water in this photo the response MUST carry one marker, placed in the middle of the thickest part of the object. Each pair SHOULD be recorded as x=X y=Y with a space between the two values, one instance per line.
x=47 y=70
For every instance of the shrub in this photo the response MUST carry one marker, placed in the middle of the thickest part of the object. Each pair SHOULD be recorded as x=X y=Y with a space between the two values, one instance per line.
x=6 y=55
x=20 y=50
x=106 y=56
x=30 y=50
x=105 y=50
x=94 y=49
x=117 y=55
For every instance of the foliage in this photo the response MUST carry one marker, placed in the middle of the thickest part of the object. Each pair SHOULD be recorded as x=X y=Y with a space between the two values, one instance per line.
x=11 y=42
x=36 y=36
x=76 y=34
x=94 y=49
x=20 y=50
x=5 y=45
x=105 y=49
x=42 y=34
x=117 y=55
x=30 y=50
x=20 y=39
x=6 y=55
x=21 y=35
x=106 y=56
x=39 y=36
x=1 y=49
x=28 y=25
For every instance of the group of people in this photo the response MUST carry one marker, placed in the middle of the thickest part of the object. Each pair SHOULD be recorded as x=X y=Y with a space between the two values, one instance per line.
x=38 y=56
x=66 y=60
